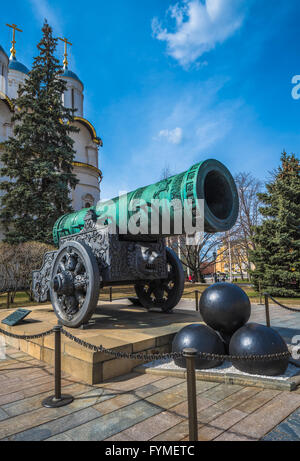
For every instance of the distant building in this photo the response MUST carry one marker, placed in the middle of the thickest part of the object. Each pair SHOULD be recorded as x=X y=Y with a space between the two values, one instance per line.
x=235 y=256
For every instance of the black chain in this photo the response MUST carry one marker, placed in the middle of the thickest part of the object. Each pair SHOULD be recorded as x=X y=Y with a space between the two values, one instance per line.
x=173 y=355
x=151 y=357
x=26 y=337
x=282 y=305
x=119 y=354
x=252 y=357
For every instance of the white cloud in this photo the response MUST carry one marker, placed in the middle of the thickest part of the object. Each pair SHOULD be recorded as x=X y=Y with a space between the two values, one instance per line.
x=199 y=27
x=42 y=10
x=172 y=136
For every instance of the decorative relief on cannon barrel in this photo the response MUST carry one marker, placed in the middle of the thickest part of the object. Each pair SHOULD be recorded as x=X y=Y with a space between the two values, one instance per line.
x=41 y=278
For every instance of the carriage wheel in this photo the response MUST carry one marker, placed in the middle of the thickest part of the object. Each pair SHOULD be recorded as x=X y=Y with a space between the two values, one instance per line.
x=163 y=293
x=75 y=284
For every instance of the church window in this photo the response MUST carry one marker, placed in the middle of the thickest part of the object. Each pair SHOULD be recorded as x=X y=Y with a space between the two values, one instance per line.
x=72 y=96
x=87 y=201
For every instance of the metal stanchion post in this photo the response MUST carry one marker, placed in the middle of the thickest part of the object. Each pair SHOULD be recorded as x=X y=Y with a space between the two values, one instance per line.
x=197 y=299
x=190 y=355
x=58 y=399
x=110 y=294
x=259 y=289
x=267 y=311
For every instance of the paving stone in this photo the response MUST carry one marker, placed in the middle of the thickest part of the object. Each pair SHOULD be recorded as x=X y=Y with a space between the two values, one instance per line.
x=267 y=417
x=288 y=430
x=43 y=415
x=177 y=394
x=90 y=398
x=28 y=420
x=59 y=438
x=112 y=423
x=52 y=428
x=182 y=408
x=228 y=419
x=157 y=386
x=207 y=433
x=116 y=403
x=258 y=400
x=130 y=381
x=20 y=385
x=221 y=392
x=169 y=398
x=38 y=389
x=149 y=428
x=229 y=436
x=174 y=434
x=11 y=397
x=208 y=410
x=237 y=398
x=3 y=415
x=34 y=402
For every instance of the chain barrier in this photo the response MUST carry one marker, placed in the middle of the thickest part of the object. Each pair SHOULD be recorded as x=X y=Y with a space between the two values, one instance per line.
x=172 y=355
x=149 y=357
x=119 y=354
x=26 y=337
x=291 y=309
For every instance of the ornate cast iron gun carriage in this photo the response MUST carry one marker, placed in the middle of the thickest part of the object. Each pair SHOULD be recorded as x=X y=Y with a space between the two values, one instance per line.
x=95 y=252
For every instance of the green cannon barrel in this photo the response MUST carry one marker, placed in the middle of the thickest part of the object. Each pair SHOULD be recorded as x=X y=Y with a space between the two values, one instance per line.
x=208 y=183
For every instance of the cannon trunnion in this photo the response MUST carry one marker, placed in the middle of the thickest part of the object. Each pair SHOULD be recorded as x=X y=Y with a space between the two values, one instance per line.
x=95 y=252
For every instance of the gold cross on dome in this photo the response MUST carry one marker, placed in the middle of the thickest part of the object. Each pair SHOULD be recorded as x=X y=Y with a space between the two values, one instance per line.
x=65 y=62
x=14 y=28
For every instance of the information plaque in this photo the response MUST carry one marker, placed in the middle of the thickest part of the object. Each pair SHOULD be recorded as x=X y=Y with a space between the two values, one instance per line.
x=16 y=317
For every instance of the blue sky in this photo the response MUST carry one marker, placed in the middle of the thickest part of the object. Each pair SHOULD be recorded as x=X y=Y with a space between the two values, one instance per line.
x=170 y=83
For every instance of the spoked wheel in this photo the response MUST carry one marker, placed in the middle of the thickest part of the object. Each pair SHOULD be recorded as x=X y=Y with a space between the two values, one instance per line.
x=75 y=284
x=163 y=293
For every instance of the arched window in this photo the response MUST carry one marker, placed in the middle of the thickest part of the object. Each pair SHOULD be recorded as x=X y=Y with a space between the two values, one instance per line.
x=87 y=201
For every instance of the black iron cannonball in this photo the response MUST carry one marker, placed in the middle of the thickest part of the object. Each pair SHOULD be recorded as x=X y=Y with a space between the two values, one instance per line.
x=256 y=339
x=225 y=307
x=202 y=338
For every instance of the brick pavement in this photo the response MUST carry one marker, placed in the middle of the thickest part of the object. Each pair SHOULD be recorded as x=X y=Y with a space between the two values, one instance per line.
x=143 y=407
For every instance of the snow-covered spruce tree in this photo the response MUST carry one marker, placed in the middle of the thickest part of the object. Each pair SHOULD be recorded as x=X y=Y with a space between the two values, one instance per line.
x=277 y=240
x=37 y=160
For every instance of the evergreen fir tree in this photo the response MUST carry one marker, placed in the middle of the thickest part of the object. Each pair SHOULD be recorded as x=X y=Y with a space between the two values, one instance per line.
x=37 y=160
x=277 y=240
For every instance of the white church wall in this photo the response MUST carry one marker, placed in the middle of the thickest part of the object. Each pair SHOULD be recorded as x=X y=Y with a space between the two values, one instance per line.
x=3 y=72
x=15 y=80
x=73 y=96
x=88 y=184
x=92 y=154
x=83 y=145
x=5 y=122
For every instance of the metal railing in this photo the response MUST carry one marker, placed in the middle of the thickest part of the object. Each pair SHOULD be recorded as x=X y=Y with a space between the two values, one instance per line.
x=267 y=296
